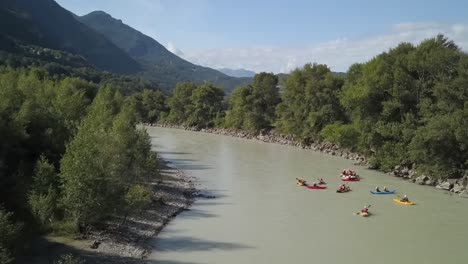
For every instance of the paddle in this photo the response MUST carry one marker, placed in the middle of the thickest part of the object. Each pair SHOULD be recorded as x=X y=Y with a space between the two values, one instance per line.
x=302 y=182
x=367 y=208
x=321 y=182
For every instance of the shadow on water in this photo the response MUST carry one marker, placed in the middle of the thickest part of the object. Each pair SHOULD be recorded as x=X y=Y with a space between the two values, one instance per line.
x=186 y=164
x=197 y=213
x=214 y=203
x=187 y=244
x=171 y=262
x=180 y=160
x=46 y=252
x=189 y=166
x=43 y=253
x=173 y=153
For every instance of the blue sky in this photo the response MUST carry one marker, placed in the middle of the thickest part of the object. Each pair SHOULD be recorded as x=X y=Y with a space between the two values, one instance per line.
x=281 y=35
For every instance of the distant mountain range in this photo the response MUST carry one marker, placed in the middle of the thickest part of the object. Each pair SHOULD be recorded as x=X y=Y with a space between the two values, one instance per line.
x=237 y=72
x=45 y=23
x=105 y=42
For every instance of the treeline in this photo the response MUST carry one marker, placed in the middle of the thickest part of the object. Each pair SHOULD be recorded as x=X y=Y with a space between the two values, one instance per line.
x=61 y=64
x=70 y=156
x=407 y=106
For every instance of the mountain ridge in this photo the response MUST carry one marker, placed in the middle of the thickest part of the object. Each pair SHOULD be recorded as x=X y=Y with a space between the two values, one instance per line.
x=45 y=23
x=240 y=72
x=159 y=63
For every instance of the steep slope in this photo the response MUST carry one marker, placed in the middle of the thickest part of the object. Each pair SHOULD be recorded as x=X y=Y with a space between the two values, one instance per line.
x=160 y=64
x=237 y=72
x=45 y=23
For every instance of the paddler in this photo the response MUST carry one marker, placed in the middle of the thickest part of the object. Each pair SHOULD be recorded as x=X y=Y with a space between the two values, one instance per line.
x=405 y=199
x=365 y=210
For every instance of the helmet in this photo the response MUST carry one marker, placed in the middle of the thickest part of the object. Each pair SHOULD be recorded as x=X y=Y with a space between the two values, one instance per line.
x=405 y=196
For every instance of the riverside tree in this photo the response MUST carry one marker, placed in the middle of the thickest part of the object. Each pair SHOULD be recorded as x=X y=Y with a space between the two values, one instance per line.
x=309 y=101
x=408 y=105
x=194 y=105
x=253 y=107
x=180 y=102
x=106 y=158
x=151 y=105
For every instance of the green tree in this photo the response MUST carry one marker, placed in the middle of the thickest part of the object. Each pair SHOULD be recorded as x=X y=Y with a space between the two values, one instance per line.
x=151 y=105
x=207 y=103
x=310 y=101
x=239 y=107
x=137 y=198
x=400 y=101
x=89 y=163
x=10 y=233
x=44 y=195
x=180 y=102
x=253 y=107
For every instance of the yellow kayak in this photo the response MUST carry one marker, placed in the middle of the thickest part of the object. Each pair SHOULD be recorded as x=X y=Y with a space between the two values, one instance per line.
x=405 y=203
x=301 y=183
x=364 y=214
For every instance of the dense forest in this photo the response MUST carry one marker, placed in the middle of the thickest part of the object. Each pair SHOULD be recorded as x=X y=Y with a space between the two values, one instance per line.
x=406 y=106
x=71 y=155
x=102 y=41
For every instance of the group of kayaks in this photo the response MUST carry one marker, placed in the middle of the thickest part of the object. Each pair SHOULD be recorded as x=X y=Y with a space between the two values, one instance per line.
x=351 y=176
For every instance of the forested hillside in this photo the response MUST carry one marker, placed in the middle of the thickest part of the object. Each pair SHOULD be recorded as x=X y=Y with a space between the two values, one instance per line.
x=160 y=65
x=406 y=106
x=70 y=157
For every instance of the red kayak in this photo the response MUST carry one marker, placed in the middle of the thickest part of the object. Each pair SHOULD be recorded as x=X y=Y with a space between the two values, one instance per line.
x=343 y=191
x=350 y=179
x=316 y=187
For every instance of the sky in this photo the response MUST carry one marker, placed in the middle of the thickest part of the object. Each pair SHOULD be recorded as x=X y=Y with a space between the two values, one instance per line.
x=279 y=36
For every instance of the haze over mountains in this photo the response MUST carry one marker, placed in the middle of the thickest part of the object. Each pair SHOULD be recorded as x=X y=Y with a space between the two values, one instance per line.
x=105 y=42
x=237 y=72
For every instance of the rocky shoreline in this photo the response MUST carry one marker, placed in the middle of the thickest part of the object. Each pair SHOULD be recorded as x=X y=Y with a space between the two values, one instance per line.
x=459 y=186
x=173 y=192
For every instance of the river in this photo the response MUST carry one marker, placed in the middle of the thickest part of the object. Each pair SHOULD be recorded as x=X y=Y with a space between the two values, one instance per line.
x=260 y=215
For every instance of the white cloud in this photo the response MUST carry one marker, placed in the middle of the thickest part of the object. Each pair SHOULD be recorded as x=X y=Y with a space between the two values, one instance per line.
x=172 y=48
x=338 y=54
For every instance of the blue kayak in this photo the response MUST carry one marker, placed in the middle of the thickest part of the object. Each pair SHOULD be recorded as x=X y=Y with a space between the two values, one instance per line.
x=389 y=192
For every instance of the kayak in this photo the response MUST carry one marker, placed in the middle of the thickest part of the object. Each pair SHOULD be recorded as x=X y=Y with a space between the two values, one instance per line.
x=302 y=184
x=364 y=214
x=345 y=191
x=350 y=179
x=405 y=203
x=316 y=187
x=389 y=192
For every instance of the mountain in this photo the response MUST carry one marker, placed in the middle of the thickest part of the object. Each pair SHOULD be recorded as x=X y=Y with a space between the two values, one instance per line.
x=45 y=23
x=237 y=72
x=159 y=64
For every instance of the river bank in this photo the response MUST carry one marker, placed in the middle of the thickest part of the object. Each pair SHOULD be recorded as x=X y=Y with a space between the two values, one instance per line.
x=459 y=186
x=173 y=192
